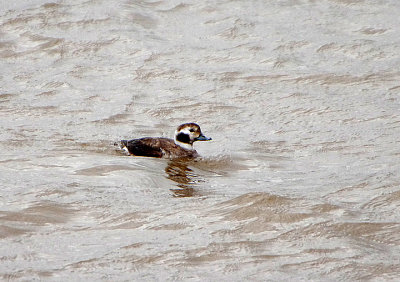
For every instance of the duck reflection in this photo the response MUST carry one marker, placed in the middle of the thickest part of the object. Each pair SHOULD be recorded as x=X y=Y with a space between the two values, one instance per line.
x=184 y=177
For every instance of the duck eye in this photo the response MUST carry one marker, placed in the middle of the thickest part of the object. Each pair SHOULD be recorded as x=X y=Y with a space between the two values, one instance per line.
x=191 y=130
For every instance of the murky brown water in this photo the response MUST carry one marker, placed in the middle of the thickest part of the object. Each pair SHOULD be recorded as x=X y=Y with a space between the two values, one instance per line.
x=300 y=182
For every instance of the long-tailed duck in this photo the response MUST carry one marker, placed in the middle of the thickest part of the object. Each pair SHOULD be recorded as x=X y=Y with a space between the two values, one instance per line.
x=179 y=147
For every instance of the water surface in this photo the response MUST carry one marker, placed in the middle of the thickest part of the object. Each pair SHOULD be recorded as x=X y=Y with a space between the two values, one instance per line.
x=301 y=180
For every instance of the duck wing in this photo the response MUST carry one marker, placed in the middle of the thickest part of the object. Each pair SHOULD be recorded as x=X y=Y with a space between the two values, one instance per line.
x=145 y=147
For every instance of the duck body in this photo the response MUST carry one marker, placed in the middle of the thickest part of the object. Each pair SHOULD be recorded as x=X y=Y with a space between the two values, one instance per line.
x=159 y=147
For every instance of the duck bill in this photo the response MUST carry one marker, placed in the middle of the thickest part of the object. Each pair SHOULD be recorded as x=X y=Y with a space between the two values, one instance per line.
x=202 y=138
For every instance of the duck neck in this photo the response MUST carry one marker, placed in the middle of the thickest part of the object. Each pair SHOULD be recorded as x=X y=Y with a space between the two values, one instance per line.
x=183 y=141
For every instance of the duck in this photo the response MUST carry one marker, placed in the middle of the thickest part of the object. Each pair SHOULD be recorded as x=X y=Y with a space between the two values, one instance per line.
x=160 y=147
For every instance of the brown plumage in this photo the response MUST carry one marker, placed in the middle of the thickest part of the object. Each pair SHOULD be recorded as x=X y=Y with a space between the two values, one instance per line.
x=159 y=147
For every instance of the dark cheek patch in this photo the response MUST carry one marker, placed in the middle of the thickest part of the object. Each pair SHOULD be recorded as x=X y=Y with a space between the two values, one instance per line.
x=184 y=138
